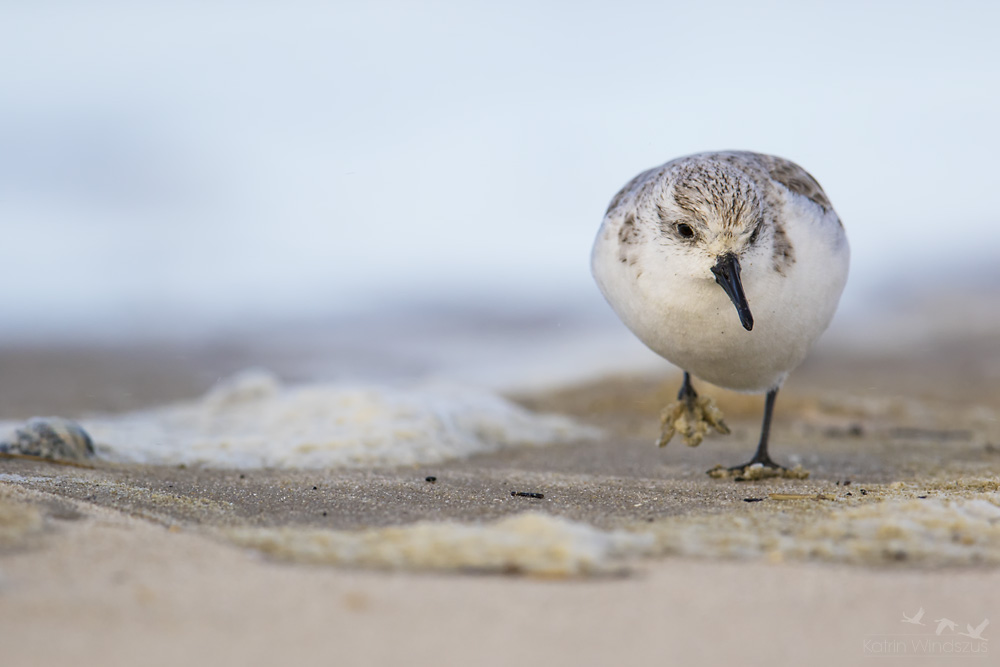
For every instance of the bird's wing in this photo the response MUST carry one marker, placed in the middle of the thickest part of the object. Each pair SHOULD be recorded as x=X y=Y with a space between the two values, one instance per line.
x=796 y=179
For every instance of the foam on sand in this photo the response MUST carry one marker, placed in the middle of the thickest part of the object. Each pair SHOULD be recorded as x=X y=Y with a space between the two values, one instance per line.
x=529 y=543
x=924 y=533
x=955 y=531
x=254 y=421
x=932 y=531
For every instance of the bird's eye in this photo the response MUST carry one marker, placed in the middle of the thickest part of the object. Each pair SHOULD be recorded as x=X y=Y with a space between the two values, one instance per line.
x=756 y=233
x=685 y=230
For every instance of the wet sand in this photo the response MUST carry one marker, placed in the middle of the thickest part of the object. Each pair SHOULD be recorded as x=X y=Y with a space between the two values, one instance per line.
x=127 y=564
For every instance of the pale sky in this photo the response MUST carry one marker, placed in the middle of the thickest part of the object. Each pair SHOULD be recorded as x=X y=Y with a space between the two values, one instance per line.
x=226 y=160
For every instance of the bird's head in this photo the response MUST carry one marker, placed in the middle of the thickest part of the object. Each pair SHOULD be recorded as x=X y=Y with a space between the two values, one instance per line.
x=713 y=218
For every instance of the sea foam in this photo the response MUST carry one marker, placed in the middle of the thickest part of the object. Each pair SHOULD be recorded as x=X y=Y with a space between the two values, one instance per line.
x=253 y=421
x=529 y=543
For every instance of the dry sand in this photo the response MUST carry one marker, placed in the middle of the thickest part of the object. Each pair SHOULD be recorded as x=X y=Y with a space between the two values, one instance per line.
x=127 y=565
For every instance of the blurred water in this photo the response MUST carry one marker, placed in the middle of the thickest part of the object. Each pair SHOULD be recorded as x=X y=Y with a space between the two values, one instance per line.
x=180 y=168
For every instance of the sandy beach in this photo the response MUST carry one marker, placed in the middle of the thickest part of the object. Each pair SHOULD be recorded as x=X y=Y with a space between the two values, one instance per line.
x=632 y=554
x=309 y=352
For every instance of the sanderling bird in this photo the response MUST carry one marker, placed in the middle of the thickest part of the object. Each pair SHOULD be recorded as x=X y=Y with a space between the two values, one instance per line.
x=683 y=243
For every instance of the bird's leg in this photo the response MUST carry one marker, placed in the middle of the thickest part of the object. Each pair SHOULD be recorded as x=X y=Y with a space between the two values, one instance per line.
x=762 y=457
x=687 y=392
x=691 y=415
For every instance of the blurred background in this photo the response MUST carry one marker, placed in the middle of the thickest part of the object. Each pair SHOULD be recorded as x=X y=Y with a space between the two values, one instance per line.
x=385 y=178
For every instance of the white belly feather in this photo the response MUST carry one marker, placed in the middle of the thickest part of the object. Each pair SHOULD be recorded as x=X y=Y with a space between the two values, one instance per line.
x=691 y=322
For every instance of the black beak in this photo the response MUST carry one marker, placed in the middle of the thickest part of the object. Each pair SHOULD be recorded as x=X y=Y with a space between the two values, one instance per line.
x=727 y=274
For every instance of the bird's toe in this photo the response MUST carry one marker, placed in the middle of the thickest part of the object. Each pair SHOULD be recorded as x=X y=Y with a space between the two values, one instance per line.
x=692 y=417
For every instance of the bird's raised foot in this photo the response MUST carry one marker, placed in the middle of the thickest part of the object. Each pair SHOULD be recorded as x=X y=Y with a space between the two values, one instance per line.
x=691 y=416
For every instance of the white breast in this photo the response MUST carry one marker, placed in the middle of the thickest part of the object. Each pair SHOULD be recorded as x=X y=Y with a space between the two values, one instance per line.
x=691 y=322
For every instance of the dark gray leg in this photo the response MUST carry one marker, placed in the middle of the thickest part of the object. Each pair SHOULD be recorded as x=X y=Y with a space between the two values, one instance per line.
x=762 y=456
x=687 y=392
